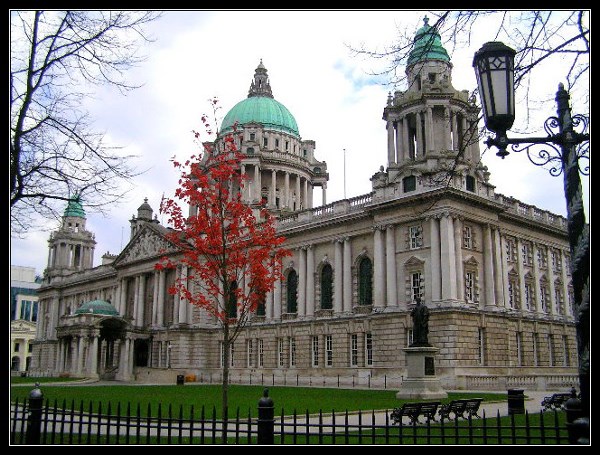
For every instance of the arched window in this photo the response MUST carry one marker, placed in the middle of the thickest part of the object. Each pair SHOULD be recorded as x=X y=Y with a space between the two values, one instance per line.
x=365 y=282
x=232 y=301
x=261 y=308
x=326 y=287
x=292 y=292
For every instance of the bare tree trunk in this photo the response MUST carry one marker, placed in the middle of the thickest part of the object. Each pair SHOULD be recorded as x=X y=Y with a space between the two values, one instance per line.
x=225 y=382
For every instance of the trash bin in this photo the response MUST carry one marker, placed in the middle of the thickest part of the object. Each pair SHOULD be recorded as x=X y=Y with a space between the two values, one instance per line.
x=516 y=401
x=180 y=379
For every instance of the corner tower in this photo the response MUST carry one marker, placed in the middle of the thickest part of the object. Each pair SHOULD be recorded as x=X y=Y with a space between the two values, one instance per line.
x=71 y=247
x=431 y=126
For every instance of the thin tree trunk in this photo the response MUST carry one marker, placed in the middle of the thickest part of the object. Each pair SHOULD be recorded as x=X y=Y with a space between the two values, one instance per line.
x=225 y=383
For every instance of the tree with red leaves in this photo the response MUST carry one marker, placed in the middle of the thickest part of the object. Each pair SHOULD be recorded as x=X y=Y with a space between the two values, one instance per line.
x=233 y=254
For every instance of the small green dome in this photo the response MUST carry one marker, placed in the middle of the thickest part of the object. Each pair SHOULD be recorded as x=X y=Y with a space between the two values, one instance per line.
x=74 y=208
x=264 y=110
x=100 y=307
x=427 y=45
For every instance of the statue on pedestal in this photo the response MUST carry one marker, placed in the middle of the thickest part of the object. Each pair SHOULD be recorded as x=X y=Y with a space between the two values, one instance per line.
x=420 y=317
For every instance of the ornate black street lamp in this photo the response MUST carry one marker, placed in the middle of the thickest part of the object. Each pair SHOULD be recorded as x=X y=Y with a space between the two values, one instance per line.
x=564 y=150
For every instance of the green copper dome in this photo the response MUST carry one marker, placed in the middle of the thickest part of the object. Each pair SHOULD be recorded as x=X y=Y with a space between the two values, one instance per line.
x=100 y=307
x=74 y=208
x=427 y=45
x=261 y=107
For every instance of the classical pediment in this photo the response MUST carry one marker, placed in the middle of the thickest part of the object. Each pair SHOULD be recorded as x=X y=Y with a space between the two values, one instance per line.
x=148 y=243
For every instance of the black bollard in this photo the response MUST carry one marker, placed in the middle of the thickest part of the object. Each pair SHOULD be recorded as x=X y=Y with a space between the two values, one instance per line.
x=34 y=420
x=266 y=421
x=576 y=426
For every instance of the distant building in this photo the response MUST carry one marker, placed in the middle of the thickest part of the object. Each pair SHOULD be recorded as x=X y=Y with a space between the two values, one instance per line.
x=493 y=271
x=23 y=315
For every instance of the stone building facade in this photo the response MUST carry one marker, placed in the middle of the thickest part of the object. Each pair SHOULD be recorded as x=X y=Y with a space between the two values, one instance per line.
x=493 y=271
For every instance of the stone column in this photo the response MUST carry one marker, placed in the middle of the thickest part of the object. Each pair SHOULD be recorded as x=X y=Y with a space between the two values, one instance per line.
x=160 y=317
x=302 y=282
x=488 y=266
x=338 y=283
x=521 y=273
x=269 y=300
x=305 y=203
x=390 y=256
x=447 y=257
x=277 y=300
x=460 y=272
x=94 y=356
x=310 y=281
x=298 y=197
x=324 y=186
x=463 y=141
x=141 y=301
x=378 y=269
x=430 y=133
x=498 y=266
x=536 y=279
x=565 y=283
x=245 y=197
x=454 y=130
x=154 y=317
x=419 y=150
x=273 y=187
x=58 y=365
x=447 y=128
x=79 y=364
x=405 y=130
x=130 y=358
x=183 y=304
x=123 y=305
x=400 y=151
x=552 y=304
x=136 y=300
x=347 y=305
x=391 y=145
x=257 y=184
x=286 y=196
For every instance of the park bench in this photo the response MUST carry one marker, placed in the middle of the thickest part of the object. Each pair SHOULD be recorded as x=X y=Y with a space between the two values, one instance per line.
x=415 y=410
x=556 y=401
x=470 y=406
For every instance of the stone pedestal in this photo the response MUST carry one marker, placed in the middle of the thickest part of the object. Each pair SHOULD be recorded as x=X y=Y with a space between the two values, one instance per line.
x=421 y=383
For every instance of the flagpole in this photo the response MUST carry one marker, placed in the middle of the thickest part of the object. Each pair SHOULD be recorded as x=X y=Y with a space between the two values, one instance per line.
x=344 y=173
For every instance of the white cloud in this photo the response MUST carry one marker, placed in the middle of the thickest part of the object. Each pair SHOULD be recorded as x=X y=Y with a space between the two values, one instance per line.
x=199 y=55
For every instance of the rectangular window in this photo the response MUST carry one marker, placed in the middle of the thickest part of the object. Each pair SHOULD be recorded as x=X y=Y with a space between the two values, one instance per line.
x=287 y=145
x=528 y=296
x=470 y=286
x=556 y=262
x=512 y=293
x=519 y=349
x=17 y=347
x=328 y=350
x=416 y=282
x=276 y=143
x=416 y=237
x=566 y=352
x=315 y=352
x=280 y=349
x=467 y=237
x=511 y=250
x=536 y=354
x=250 y=354
x=354 y=350
x=558 y=299
x=261 y=354
x=292 y=352
x=26 y=310
x=265 y=142
x=527 y=254
x=369 y=349
x=409 y=337
x=252 y=136
x=30 y=348
x=481 y=346
x=544 y=297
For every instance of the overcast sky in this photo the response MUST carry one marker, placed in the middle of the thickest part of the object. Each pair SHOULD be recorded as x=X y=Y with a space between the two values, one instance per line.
x=198 y=55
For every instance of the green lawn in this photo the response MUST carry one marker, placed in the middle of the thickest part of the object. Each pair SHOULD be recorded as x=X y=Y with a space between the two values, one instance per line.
x=243 y=397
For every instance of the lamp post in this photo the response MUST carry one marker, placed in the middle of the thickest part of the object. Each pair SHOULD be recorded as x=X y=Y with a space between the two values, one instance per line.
x=564 y=149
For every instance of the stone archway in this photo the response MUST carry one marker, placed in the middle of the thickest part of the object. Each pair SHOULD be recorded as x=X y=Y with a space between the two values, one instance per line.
x=112 y=331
